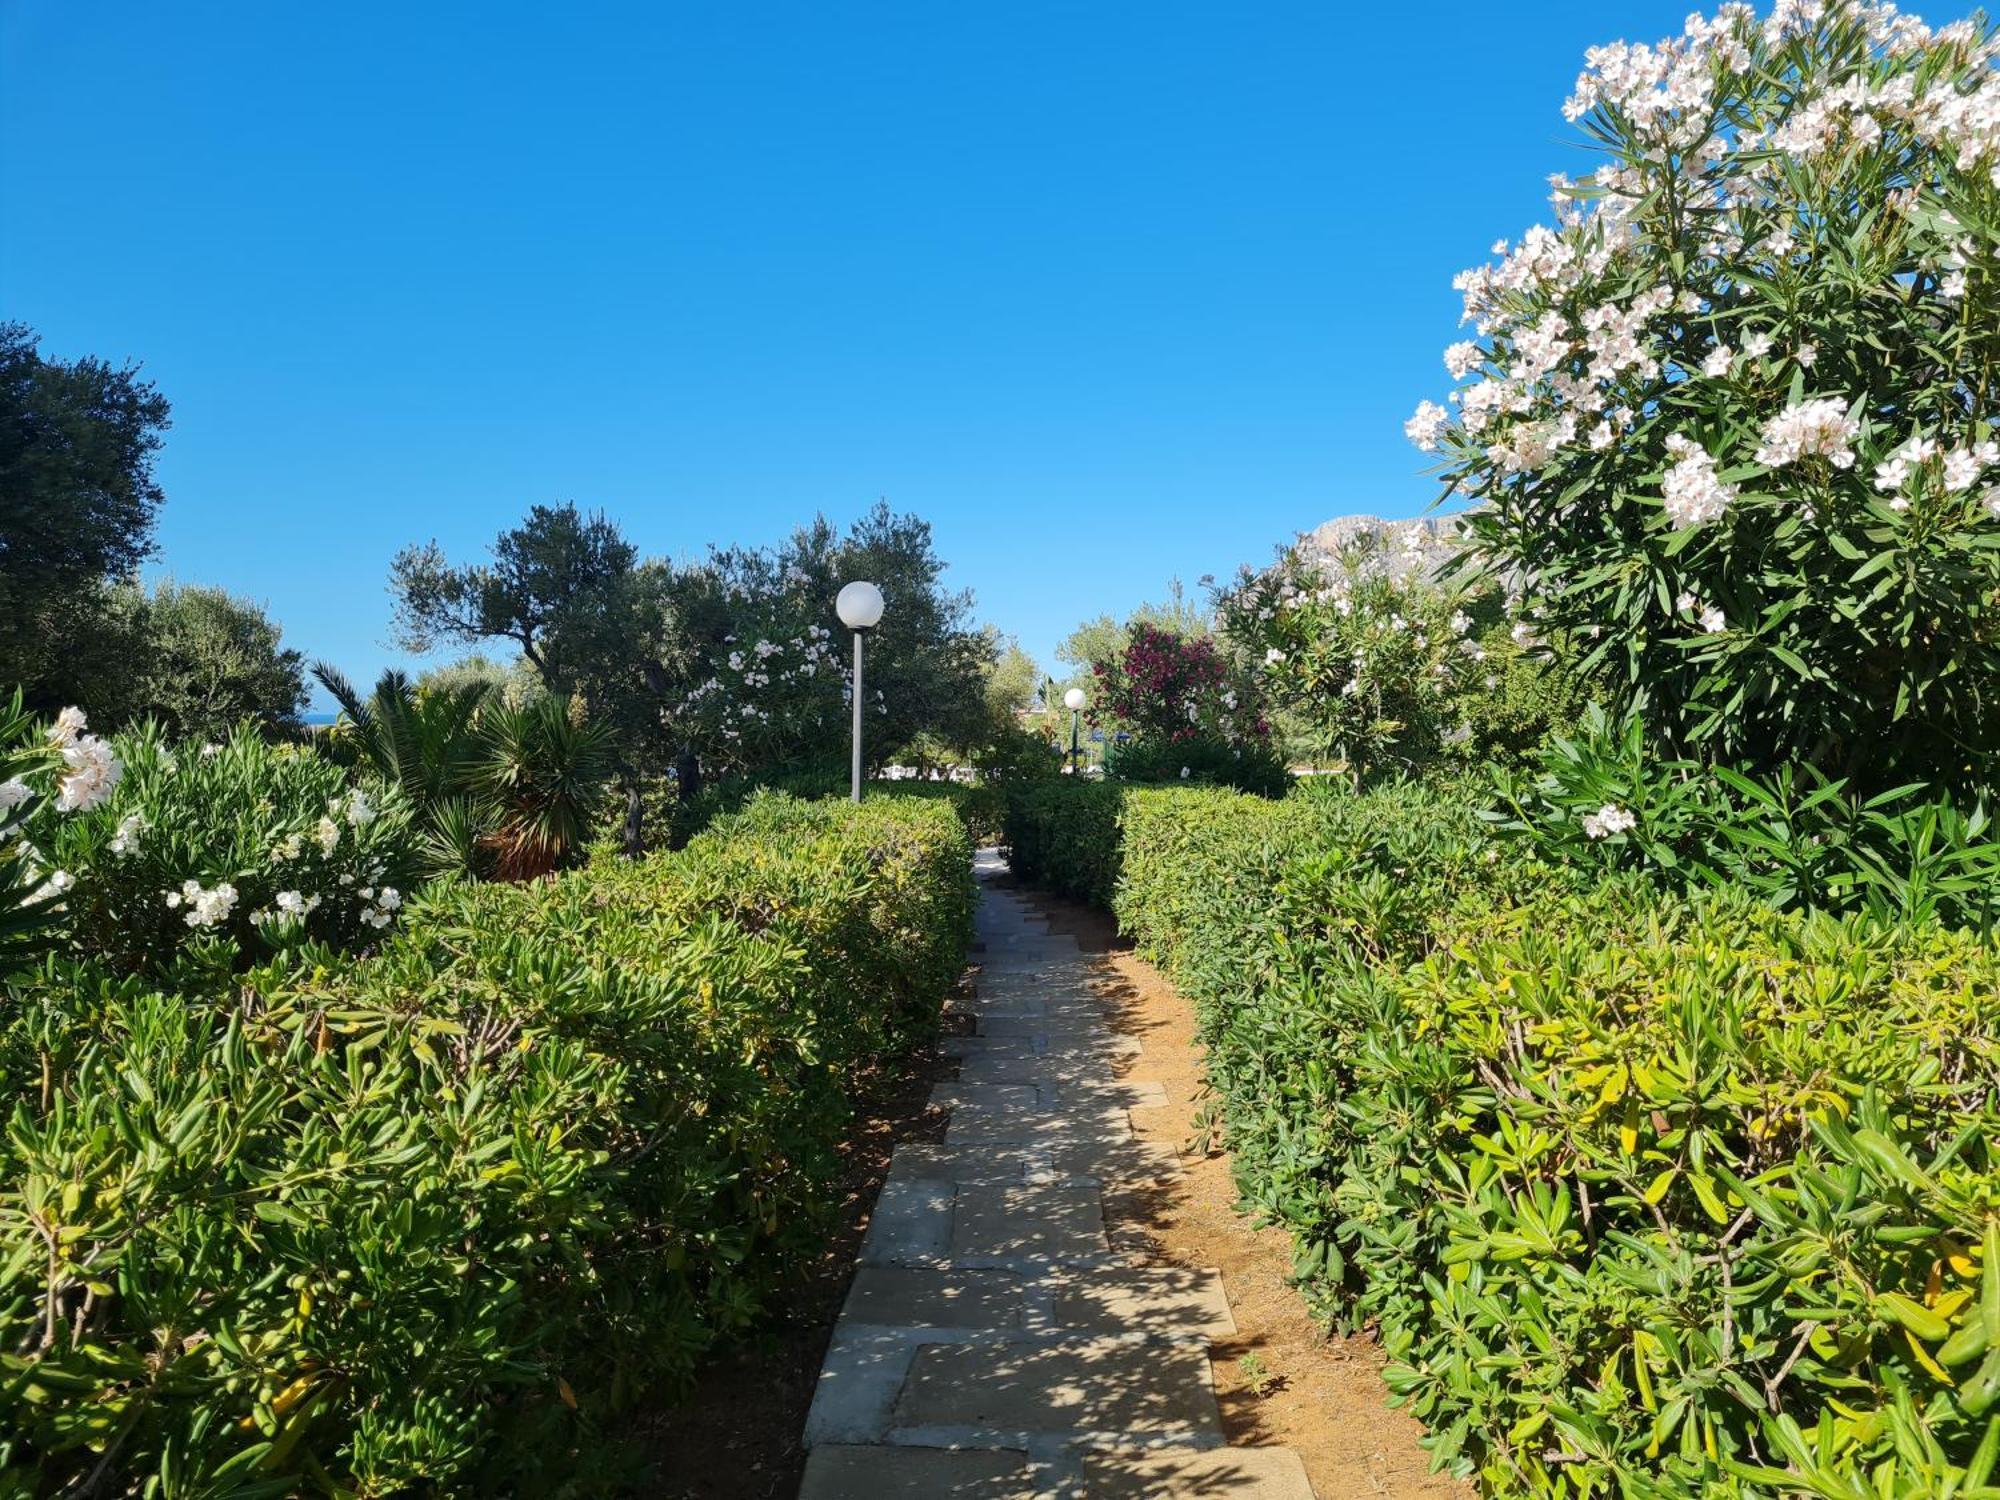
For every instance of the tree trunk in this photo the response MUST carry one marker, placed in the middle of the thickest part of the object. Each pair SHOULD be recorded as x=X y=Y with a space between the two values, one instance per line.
x=635 y=818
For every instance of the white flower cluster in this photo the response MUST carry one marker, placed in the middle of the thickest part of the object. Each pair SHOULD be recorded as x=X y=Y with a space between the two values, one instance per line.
x=287 y=907
x=90 y=769
x=1710 y=124
x=1810 y=429
x=126 y=839
x=1692 y=493
x=206 y=907
x=386 y=902
x=1609 y=819
x=1956 y=469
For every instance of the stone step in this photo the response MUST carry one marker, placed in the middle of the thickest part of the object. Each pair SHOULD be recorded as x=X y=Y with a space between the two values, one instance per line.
x=1235 y=1473
x=1158 y=1301
x=876 y=1473
x=1097 y=1393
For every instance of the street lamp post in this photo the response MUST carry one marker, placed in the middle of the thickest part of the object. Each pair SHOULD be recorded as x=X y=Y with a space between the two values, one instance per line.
x=1074 y=700
x=860 y=609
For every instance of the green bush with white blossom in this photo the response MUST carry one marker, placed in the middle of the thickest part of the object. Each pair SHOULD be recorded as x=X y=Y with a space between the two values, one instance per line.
x=203 y=857
x=1729 y=422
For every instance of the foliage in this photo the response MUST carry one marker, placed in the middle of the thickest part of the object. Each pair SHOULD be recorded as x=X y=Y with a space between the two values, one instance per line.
x=1173 y=687
x=736 y=660
x=1728 y=423
x=207 y=661
x=1647 y=1197
x=77 y=502
x=544 y=769
x=435 y=1222
x=1063 y=833
x=502 y=785
x=1378 y=669
x=517 y=681
x=203 y=858
x=768 y=678
x=1105 y=639
x=31 y=793
x=1204 y=760
x=1602 y=801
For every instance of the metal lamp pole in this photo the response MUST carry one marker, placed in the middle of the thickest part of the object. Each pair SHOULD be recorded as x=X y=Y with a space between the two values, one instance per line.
x=860 y=609
x=1074 y=701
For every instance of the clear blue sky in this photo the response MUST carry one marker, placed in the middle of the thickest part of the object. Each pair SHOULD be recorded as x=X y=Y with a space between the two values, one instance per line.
x=1109 y=293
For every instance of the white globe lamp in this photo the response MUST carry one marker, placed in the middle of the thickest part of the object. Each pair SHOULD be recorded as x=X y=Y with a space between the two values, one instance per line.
x=859 y=606
x=1074 y=700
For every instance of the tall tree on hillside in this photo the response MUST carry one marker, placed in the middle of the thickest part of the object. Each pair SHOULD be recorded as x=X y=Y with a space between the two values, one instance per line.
x=77 y=500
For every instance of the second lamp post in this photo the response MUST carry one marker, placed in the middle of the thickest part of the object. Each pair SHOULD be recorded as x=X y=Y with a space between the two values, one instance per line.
x=1074 y=700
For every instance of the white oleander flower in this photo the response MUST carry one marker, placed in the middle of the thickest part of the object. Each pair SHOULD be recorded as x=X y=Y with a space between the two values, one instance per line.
x=1607 y=820
x=205 y=908
x=91 y=770
x=1423 y=428
x=68 y=727
x=328 y=834
x=1692 y=492
x=1811 y=429
x=126 y=839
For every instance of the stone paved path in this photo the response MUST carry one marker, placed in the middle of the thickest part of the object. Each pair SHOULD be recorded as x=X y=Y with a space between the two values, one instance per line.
x=994 y=1346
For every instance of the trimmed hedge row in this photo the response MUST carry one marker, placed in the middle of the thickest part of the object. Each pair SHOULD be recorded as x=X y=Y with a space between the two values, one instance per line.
x=1647 y=1196
x=433 y=1220
x=1063 y=834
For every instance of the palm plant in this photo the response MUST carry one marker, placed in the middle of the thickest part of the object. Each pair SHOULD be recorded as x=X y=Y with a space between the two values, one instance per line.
x=425 y=742
x=428 y=743
x=545 y=769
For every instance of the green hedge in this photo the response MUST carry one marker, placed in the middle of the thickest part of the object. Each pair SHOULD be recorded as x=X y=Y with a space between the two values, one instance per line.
x=1063 y=834
x=1647 y=1197
x=432 y=1221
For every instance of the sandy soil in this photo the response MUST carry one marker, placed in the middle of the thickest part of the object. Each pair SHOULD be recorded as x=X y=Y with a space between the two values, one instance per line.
x=1322 y=1396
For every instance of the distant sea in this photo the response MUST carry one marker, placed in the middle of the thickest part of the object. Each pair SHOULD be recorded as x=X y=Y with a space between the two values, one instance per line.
x=319 y=719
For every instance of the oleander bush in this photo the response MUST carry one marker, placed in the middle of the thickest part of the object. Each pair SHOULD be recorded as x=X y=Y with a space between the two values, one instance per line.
x=1726 y=424
x=1377 y=667
x=1252 y=765
x=1602 y=800
x=202 y=858
x=430 y=1222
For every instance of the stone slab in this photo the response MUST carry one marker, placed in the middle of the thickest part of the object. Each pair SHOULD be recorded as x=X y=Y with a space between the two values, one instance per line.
x=929 y=1299
x=1120 y=1393
x=1220 y=1473
x=1028 y=1222
x=1150 y=1300
x=973 y=1125
x=863 y=1371
x=854 y=1473
x=911 y=1223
